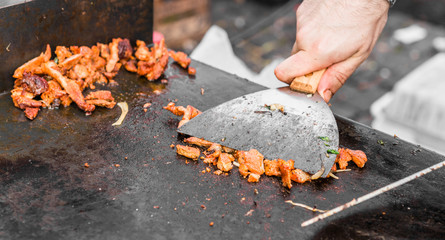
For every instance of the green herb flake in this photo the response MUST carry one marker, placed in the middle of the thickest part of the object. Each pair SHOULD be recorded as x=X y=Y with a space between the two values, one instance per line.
x=56 y=60
x=381 y=142
x=332 y=151
x=325 y=139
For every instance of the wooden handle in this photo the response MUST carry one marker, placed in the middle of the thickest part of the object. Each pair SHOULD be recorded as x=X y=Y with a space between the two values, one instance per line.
x=307 y=83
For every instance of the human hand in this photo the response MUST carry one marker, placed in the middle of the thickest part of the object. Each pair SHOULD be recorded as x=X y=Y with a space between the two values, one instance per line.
x=334 y=34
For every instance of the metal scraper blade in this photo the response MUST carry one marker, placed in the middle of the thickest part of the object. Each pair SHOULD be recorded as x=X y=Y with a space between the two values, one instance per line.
x=247 y=123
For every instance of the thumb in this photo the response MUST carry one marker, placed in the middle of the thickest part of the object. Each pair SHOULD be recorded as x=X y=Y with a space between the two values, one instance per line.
x=297 y=65
x=336 y=75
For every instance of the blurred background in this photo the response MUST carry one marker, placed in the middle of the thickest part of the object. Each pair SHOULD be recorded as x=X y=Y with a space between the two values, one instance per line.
x=397 y=90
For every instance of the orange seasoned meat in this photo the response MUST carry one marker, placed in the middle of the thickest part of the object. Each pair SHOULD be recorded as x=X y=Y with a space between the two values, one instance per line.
x=191 y=71
x=252 y=159
x=253 y=177
x=358 y=157
x=70 y=62
x=23 y=99
x=272 y=168
x=285 y=168
x=142 y=52
x=101 y=98
x=33 y=65
x=186 y=113
x=212 y=153
x=188 y=152
x=71 y=87
x=181 y=58
x=130 y=65
x=225 y=162
x=343 y=157
x=189 y=113
x=54 y=92
x=198 y=142
x=300 y=176
x=114 y=55
x=31 y=113
x=251 y=162
x=177 y=110
x=62 y=53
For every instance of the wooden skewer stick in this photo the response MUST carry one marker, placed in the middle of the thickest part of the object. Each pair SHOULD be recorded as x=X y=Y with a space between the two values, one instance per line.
x=372 y=194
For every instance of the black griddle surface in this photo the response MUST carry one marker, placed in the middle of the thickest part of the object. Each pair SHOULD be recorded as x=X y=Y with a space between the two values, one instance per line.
x=46 y=193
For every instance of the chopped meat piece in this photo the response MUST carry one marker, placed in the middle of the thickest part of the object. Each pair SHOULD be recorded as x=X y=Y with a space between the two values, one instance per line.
x=225 y=162
x=228 y=150
x=71 y=87
x=252 y=159
x=253 y=177
x=75 y=49
x=23 y=99
x=70 y=62
x=285 y=168
x=300 y=176
x=358 y=157
x=62 y=53
x=272 y=168
x=188 y=152
x=142 y=53
x=34 y=84
x=31 y=113
x=101 y=98
x=343 y=157
x=191 y=71
x=81 y=71
x=144 y=68
x=66 y=100
x=180 y=58
x=54 y=92
x=158 y=68
x=198 y=142
x=177 y=110
x=104 y=50
x=189 y=113
x=130 y=65
x=33 y=64
x=114 y=55
x=218 y=172
x=124 y=49
x=212 y=153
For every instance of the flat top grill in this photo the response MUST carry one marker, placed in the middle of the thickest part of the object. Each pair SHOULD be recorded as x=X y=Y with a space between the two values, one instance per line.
x=46 y=193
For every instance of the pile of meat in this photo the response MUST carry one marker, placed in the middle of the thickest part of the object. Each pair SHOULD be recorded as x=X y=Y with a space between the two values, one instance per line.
x=50 y=82
x=252 y=163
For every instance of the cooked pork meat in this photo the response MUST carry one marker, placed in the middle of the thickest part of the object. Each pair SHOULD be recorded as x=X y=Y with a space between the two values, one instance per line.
x=70 y=86
x=33 y=83
x=33 y=64
x=188 y=152
x=225 y=162
x=198 y=142
x=125 y=51
x=300 y=176
x=101 y=98
x=181 y=58
x=285 y=168
x=358 y=157
x=272 y=168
